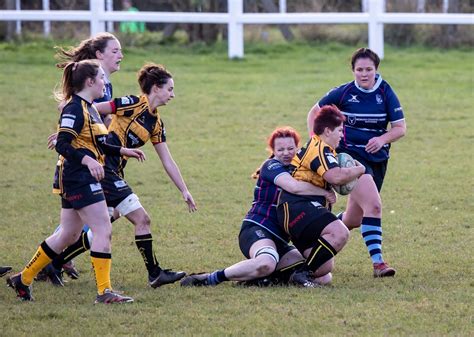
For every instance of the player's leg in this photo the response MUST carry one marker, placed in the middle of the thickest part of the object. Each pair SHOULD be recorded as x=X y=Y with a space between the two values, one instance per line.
x=131 y=208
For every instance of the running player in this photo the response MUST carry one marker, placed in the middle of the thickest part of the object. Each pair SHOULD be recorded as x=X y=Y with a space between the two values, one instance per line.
x=369 y=104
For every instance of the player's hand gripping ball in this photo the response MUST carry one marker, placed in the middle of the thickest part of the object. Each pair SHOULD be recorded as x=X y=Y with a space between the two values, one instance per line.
x=345 y=160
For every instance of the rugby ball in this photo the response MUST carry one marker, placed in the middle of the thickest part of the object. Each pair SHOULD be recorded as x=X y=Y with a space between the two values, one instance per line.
x=345 y=160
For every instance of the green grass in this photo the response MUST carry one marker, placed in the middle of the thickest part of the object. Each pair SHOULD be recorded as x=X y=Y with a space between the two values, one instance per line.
x=216 y=129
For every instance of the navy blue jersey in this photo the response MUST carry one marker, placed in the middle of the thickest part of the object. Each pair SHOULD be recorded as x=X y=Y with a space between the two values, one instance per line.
x=266 y=193
x=367 y=112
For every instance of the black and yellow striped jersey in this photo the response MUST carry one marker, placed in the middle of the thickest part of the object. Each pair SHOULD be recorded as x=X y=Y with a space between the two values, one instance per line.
x=81 y=123
x=312 y=161
x=133 y=124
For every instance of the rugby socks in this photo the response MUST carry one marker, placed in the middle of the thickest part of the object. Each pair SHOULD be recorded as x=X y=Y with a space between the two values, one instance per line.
x=80 y=246
x=371 y=230
x=320 y=254
x=145 y=247
x=42 y=257
x=102 y=263
x=216 y=277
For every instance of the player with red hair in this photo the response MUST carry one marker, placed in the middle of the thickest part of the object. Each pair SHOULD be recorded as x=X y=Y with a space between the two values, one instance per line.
x=264 y=244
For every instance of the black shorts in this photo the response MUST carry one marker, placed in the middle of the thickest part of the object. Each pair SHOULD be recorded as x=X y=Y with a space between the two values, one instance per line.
x=82 y=196
x=115 y=188
x=376 y=169
x=304 y=221
x=251 y=233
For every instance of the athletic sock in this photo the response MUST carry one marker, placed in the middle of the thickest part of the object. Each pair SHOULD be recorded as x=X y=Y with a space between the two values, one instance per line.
x=80 y=246
x=216 y=277
x=102 y=263
x=42 y=257
x=371 y=230
x=320 y=254
x=145 y=247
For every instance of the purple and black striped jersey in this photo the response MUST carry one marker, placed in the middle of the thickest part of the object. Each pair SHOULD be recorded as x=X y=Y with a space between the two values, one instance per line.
x=367 y=112
x=263 y=212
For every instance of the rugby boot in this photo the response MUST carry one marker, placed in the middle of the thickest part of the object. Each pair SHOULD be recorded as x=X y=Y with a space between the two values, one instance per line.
x=303 y=278
x=4 y=270
x=383 y=270
x=22 y=291
x=54 y=275
x=70 y=269
x=110 y=297
x=165 y=276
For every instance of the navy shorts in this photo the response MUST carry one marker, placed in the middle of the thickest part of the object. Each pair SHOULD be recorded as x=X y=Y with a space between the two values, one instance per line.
x=376 y=169
x=115 y=188
x=304 y=221
x=251 y=233
x=82 y=196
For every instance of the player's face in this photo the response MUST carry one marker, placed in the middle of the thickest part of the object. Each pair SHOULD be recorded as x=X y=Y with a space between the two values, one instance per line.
x=364 y=73
x=111 y=57
x=284 y=149
x=165 y=93
x=98 y=85
x=333 y=137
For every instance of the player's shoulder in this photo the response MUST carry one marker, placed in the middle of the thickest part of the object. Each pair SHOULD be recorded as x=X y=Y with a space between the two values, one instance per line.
x=127 y=101
x=272 y=164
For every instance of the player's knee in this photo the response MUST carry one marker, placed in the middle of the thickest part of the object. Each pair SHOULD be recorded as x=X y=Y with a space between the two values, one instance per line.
x=266 y=260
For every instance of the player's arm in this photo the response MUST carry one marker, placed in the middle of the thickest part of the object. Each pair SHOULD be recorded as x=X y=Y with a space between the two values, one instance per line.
x=104 y=108
x=343 y=175
x=174 y=173
x=290 y=184
x=397 y=130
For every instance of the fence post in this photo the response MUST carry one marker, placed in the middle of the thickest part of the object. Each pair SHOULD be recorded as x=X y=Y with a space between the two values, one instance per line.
x=96 y=8
x=18 y=22
x=46 y=24
x=376 y=41
x=236 y=30
x=109 y=6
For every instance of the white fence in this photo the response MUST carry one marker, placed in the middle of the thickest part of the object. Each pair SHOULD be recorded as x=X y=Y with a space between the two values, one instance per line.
x=235 y=19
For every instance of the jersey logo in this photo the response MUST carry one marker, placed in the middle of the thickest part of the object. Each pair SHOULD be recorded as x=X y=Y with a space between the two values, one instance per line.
x=379 y=99
x=125 y=100
x=330 y=157
x=67 y=123
x=353 y=99
x=95 y=187
x=134 y=140
x=120 y=184
x=274 y=166
x=351 y=119
x=259 y=233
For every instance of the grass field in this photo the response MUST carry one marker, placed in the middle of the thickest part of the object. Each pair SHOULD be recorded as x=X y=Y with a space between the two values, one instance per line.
x=216 y=129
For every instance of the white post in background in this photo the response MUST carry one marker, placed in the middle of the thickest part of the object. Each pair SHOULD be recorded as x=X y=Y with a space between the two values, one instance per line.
x=365 y=6
x=18 y=23
x=236 y=30
x=376 y=8
x=46 y=24
x=96 y=8
x=282 y=6
x=109 y=6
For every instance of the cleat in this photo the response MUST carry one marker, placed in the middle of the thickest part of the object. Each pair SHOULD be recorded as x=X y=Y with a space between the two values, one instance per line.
x=70 y=269
x=165 y=276
x=110 y=297
x=303 y=278
x=22 y=291
x=261 y=282
x=383 y=270
x=195 y=280
x=4 y=270
x=54 y=275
